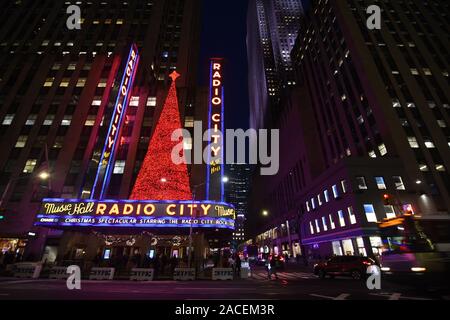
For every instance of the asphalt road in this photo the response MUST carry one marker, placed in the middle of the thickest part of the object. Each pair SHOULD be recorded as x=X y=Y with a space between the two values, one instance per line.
x=291 y=285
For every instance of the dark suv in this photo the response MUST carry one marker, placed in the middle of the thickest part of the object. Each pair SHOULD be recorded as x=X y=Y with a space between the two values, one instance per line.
x=353 y=266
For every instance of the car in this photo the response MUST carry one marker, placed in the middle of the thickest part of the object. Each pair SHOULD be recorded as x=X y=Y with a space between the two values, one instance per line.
x=353 y=266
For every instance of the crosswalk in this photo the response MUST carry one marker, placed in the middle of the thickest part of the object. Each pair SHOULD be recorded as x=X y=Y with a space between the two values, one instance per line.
x=262 y=275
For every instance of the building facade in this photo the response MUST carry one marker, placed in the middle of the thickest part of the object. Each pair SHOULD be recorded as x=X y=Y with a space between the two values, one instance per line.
x=55 y=90
x=272 y=28
x=237 y=193
x=375 y=124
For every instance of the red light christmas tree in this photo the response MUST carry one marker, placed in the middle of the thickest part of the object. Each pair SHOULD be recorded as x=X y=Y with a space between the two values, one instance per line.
x=159 y=178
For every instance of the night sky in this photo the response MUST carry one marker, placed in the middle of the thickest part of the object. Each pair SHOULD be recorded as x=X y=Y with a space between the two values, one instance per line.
x=224 y=34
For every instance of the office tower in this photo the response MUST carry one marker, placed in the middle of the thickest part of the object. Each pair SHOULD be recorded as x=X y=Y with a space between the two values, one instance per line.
x=375 y=131
x=237 y=193
x=57 y=94
x=272 y=28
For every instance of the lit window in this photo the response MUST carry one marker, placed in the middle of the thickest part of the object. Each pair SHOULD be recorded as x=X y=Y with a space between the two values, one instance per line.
x=187 y=143
x=31 y=120
x=151 y=102
x=324 y=223
x=66 y=120
x=311 y=228
x=380 y=183
x=372 y=154
x=390 y=213
x=313 y=203
x=335 y=191
x=326 y=196
x=29 y=165
x=134 y=101
x=317 y=226
x=97 y=102
x=442 y=124
x=398 y=182
x=64 y=82
x=81 y=82
x=119 y=21
x=49 y=120
x=307 y=206
x=382 y=148
x=90 y=121
x=351 y=215
x=361 y=181
x=440 y=167
x=344 y=186
x=413 y=142
x=423 y=168
x=370 y=213
x=49 y=82
x=319 y=200
x=189 y=122
x=119 y=167
x=341 y=218
x=102 y=84
x=21 y=141
x=72 y=66
x=8 y=119
x=429 y=144
x=332 y=224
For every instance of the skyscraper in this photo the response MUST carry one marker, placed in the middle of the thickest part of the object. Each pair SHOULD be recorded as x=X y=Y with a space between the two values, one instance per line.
x=272 y=27
x=237 y=193
x=372 y=128
x=57 y=91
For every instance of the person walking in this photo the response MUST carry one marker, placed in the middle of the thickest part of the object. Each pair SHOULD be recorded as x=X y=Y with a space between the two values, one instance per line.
x=238 y=265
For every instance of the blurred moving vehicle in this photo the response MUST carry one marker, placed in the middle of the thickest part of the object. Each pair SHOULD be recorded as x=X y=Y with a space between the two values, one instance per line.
x=352 y=266
x=416 y=245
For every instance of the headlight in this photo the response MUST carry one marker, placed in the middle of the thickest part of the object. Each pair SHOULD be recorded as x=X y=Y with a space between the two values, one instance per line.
x=418 y=269
x=385 y=269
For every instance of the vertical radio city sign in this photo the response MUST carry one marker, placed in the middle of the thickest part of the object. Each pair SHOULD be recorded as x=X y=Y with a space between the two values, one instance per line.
x=120 y=107
x=215 y=167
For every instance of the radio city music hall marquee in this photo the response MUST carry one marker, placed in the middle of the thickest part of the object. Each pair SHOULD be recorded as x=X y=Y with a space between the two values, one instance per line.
x=133 y=213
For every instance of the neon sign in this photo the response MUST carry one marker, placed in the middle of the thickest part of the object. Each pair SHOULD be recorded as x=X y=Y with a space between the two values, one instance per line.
x=132 y=213
x=215 y=168
x=123 y=98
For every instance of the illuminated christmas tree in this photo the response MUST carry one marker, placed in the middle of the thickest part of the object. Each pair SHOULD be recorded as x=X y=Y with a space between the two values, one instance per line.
x=159 y=177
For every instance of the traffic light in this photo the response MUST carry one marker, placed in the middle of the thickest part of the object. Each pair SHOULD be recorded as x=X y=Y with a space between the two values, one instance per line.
x=387 y=199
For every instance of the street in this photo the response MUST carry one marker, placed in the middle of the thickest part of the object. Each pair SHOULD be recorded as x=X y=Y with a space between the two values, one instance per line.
x=291 y=285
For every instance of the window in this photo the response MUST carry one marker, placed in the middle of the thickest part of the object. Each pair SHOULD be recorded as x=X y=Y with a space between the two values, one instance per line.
x=398 y=182
x=66 y=120
x=81 y=82
x=90 y=121
x=189 y=122
x=151 y=102
x=332 y=224
x=413 y=142
x=380 y=183
x=29 y=165
x=313 y=203
x=370 y=213
x=341 y=218
x=324 y=223
x=390 y=213
x=97 y=101
x=361 y=181
x=317 y=226
x=307 y=206
x=134 y=101
x=21 y=141
x=429 y=144
x=49 y=82
x=49 y=120
x=335 y=191
x=64 y=82
x=8 y=119
x=344 y=186
x=383 y=149
x=326 y=196
x=351 y=215
x=187 y=143
x=31 y=120
x=119 y=167
x=319 y=200
x=311 y=228
x=361 y=248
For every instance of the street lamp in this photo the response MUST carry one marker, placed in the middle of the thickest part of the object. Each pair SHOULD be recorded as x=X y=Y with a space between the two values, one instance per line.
x=225 y=179
x=265 y=213
x=43 y=176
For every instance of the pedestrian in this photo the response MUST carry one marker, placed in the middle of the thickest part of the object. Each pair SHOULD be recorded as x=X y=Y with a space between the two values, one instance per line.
x=231 y=263
x=273 y=264
x=238 y=264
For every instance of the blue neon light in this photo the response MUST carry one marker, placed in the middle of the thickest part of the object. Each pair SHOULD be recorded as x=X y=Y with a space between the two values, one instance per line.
x=124 y=106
